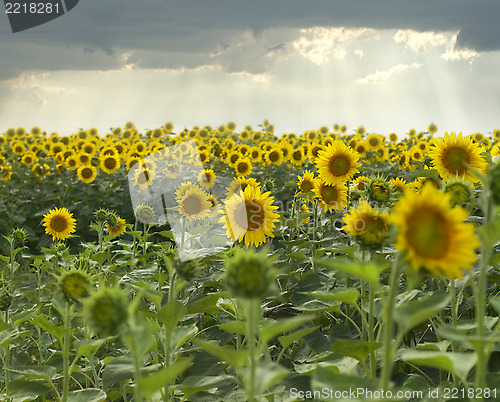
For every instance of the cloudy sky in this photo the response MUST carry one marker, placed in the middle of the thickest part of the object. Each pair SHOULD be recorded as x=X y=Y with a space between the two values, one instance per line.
x=389 y=65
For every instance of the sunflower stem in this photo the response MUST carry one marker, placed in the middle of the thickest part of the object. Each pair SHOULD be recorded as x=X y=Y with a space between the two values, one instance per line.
x=253 y=311
x=388 y=357
x=66 y=342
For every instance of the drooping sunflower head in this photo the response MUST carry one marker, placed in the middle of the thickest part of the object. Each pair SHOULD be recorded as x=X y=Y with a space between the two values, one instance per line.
x=337 y=163
x=59 y=223
x=433 y=235
x=379 y=190
x=116 y=225
x=452 y=156
x=145 y=213
x=367 y=225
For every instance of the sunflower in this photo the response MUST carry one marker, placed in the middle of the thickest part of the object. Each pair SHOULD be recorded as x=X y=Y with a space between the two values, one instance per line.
x=366 y=224
x=194 y=203
x=28 y=158
x=243 y=167
x=59 y=223
x=145 y=213
x=398 y=185
x=255 y=154
x=416 y=154
x=432 y=128
x=332 y=196
x=274 y=156
x=207 y=177
x=87 y=173
x=315 y=149
x=433 y=235
x=249 y=215
x=297 y=157
x=460 y=191
x=5 y=172
x=307 y=182
x=496 y=134
x=72 y=162
x=241 y=183
x=393 y=137
x=337 y=163
x=452 y=154
x=110 y=164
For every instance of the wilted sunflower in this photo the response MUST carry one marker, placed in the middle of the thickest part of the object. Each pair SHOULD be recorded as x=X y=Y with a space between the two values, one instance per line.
x=87 y=174
x=194 y=203
x=249 y=215
x=432 y=234
x=110 y=163
x=332 y=196
x=366 y=224
x=59 y=223
x=453 y=153
x=337 y=163
x=116 y=226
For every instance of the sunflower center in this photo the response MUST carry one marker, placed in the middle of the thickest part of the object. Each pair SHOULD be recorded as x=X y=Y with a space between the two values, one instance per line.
x=297 y=155
x=274 y=156
x=339 y=165
x=58 y=224
x=329 y=194
x=110 y=163
x=306 y=186
x=234 y=158
x=454 y=159
x=373 y=142
x=192 y=204
x=242 y=167
x=251 y=215
x=428 y=234
x=87 y=173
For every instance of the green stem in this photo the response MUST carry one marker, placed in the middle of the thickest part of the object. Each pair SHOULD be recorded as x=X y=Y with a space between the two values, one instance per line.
x=7 y=356
x=66 y=342
x=371 y=329
x=388 y=357
x=253 y=306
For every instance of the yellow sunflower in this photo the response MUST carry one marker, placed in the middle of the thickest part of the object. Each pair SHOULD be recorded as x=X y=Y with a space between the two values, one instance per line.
x=87 y=173
x=194 y=203
x=249 y=215
x=453 y=153
x=366 y=224
x=59 y=223
x=243 y=167
x=333 y=197
x=110 y=164
x=433 y=235
x=274 y=156
x=255 y=154
x=241 y=183
x=307 y=182
x=118 y=228
x=337 y=163
x=207 y=178
x=297 y=157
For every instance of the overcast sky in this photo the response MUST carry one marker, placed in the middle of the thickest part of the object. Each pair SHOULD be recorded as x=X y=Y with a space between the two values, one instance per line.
x=389 y=65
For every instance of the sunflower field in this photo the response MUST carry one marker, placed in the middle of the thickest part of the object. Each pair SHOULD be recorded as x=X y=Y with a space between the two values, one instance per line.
x=216 y=264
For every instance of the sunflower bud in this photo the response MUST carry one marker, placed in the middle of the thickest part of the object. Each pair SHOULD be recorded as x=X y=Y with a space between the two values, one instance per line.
x=5 y=299
x=187 y=270
x=100 y=215
x=74 y=285
x=112 y=219
x=249 y=274
x=460 y=191
x=106 y=310
x=19 y=235
x=379 y=190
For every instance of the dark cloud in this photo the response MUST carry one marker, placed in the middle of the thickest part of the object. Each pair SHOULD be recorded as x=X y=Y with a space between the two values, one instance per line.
x=190 y=33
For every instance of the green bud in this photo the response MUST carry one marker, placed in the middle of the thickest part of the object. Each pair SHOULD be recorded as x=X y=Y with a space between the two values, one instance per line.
x=106 y=310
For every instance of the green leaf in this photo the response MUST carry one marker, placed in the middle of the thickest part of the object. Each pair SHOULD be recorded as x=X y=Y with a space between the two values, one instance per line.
x=298 y=256
x=181 y=335
x=168 y=234
x=8 y=336
x=224 y=353
x=24 y=388
x=346 y=295
x=153 y=382
x=43 y=323
x=362 y=270
x=326 y=379
x=287 y=340
x=490 y=233
x=171 y=313
x=268 y=373
x=495 y=303
x=415 y=312
x=41 y=372
x=234 y=327
x=317 y=306
x=207 y=304
x=356 y=349
x=194 y=384
x=458 y=364
x=272 y=328
x=87 y=395
x=87 y=347
x=101 y=257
